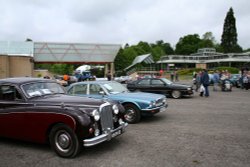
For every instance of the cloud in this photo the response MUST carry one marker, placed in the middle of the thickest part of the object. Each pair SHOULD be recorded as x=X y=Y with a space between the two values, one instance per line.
x=119 y=21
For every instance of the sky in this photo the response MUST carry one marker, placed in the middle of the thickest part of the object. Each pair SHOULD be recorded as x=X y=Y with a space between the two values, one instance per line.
x=119 y=21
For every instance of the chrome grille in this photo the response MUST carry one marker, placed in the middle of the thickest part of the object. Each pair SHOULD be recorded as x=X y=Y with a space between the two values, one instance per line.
x=106 y=116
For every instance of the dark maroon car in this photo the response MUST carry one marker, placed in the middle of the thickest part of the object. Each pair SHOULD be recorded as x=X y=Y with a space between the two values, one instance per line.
x=38 y=110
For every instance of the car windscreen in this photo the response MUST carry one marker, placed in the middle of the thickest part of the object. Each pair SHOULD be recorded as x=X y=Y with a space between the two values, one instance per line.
x=42 y=88
x=114 y=88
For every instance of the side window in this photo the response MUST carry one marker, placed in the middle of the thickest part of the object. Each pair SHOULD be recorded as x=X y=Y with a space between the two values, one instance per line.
x=8 y=92
x=78 y=89
x=144 y=82
x=94 y=89
x=157 y=82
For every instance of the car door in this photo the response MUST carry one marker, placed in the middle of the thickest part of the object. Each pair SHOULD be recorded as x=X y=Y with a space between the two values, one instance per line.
x=12 y=112
x=95 y=91
x=78 y=90
x=158 y=86
x=143 y=85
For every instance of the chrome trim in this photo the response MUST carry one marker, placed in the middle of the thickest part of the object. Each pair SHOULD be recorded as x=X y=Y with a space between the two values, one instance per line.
x=104 y=137
x=155 y=108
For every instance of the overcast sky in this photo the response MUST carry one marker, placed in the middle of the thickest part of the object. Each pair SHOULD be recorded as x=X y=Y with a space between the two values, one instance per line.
x=119 y=21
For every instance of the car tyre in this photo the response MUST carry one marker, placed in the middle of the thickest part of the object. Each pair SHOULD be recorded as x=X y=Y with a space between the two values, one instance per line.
x=176 y=94
x=64 y=141
x=132 y=113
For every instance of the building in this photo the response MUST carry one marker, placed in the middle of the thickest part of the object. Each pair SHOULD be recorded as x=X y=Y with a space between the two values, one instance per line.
x=206 y=58
x=18 y=58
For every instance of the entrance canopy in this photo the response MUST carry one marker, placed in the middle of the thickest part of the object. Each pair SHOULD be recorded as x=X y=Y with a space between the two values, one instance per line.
x=147 y=58
x=45 y=52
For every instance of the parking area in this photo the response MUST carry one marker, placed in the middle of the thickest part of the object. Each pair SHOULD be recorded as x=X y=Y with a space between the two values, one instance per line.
x=194 y=131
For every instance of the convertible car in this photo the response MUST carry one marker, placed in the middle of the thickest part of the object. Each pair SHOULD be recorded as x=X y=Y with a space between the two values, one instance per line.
x=135 y=104
x=38 y=110
x=160 y=86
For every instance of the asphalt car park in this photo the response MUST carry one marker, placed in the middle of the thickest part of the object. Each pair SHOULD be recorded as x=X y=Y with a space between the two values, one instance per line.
x=193 y=131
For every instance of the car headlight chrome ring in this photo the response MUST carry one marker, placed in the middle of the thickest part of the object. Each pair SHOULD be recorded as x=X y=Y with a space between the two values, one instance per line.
x=115 y=109
x=96 y=115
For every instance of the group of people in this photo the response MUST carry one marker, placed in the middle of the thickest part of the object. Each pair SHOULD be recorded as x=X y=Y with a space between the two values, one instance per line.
x=202 y=80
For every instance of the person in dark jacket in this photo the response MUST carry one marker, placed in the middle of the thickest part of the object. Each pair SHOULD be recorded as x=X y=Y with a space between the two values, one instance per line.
x=205 y=82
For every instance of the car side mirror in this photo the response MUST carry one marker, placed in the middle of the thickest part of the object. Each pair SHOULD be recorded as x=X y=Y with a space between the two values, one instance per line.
x=102 y=93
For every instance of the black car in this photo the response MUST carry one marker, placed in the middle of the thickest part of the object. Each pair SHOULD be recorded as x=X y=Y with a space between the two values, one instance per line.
x=38 y=110
x=161 y=86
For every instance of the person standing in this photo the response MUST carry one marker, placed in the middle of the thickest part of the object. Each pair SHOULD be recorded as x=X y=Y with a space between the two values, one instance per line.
x=176 y=76
x=205 y=82
x=109 y=76
x=198 y=81
x=216 y=79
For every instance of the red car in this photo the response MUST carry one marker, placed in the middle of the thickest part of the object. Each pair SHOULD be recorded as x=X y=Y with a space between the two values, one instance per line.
x=38 y=110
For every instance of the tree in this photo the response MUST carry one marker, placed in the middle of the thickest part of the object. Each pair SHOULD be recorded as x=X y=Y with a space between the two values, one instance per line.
x=207 y=41
x=229 y=35
x=188 y=44
x=145 y=46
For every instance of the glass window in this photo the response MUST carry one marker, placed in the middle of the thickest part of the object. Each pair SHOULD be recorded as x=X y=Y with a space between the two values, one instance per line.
x=94 y=89
x=8 y=92
x=144 y=82
x=157 y=82
x=42 y=88
x=78 y=89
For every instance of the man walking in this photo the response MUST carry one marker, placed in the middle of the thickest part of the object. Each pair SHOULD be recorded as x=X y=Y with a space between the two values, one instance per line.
x=205 y=82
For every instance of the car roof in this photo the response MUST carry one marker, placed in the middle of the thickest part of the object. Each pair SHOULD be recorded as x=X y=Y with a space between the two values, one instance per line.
x=94 y=82
x=21 y=80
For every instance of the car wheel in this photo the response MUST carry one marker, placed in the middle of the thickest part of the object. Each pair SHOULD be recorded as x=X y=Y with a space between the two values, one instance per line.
x=176 y=94
x=132 y=113
x=64 y=141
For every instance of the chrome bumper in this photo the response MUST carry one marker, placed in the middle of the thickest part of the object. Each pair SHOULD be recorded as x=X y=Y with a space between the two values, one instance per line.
x=156 y=108
x=108 y=135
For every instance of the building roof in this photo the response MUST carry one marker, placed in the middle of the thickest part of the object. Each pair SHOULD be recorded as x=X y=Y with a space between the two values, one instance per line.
x=147 y=58
x=48 y=52
x=13 y=48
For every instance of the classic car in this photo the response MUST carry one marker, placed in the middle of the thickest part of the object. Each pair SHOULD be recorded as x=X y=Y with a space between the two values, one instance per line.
x=38 y=110
x=160 y=86
x=135 y=104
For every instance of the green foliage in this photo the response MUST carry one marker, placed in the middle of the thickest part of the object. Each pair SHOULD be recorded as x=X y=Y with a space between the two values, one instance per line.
x=229 y=69
x=229 y=35
x=39 y=75
x=188 y=71
x=127 y=54
x=57 y=68
x=191 y=43
x=188 y=44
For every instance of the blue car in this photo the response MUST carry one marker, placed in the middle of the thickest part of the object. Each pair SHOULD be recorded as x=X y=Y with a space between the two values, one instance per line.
x=136 y=104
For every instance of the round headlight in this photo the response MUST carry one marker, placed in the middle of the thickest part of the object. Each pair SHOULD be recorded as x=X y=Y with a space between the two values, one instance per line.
x=188 y=88
x=115 y=109
x=96 y=115
x=152 y=104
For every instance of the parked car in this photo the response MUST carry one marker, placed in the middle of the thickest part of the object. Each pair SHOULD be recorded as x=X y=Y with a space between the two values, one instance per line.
x=38 y=110
x=234 y=79
x=160 y=86
x=135 y=104
x=123 y=79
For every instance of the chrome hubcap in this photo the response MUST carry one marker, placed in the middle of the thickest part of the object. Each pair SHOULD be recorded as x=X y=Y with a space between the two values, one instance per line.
x=63 y=141
x=130 y=114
